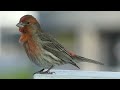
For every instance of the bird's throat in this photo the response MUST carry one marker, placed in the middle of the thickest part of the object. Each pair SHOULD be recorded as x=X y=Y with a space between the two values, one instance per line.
x=24 y=38
x=22 y=30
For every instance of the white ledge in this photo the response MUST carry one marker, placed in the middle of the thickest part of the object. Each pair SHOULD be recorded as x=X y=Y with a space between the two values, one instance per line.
x=78 y=74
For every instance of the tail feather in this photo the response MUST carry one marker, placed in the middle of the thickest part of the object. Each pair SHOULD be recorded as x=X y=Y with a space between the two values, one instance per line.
x=83 y=59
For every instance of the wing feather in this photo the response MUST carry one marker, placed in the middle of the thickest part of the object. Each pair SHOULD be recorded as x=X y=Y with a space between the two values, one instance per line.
x=51 y=44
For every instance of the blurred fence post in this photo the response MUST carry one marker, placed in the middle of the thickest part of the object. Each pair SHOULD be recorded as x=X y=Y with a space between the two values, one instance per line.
x=77 y=74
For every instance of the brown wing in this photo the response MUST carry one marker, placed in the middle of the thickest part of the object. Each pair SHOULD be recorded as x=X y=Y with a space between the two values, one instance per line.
x=50 y=44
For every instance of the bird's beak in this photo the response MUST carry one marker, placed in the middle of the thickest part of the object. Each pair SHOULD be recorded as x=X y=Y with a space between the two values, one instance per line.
x=20 y=24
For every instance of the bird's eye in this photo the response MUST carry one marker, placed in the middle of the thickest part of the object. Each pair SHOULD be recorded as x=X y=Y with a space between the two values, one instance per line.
x=28 y=22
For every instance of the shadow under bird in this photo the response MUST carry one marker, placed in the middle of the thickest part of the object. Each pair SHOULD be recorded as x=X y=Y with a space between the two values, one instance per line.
x=43 y=49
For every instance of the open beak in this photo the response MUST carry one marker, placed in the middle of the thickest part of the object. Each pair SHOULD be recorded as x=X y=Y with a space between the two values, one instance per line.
x=20 y=24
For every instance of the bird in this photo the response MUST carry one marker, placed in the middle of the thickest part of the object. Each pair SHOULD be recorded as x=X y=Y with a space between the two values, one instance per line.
x=43 y=49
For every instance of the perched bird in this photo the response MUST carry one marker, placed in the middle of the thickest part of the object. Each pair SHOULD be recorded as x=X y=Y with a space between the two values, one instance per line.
x=44 y=50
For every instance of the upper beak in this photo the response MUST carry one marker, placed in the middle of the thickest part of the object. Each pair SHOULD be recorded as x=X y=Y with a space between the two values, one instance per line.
x=20 y=24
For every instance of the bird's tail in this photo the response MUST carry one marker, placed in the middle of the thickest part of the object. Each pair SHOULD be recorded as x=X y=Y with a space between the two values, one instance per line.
x=83 y=59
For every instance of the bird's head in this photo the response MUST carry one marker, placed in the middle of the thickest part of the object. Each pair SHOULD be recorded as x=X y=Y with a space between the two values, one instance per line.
x=27 y=24
x=29 y=27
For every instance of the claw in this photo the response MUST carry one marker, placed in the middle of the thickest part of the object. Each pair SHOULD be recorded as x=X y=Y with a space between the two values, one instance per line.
x=46 y=72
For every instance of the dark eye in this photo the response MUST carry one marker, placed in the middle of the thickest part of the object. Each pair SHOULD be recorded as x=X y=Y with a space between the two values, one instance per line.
x=28 y=22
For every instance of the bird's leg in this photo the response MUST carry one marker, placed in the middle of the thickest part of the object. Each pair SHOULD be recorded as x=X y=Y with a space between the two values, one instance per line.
x=47 y=72
x=39 y=71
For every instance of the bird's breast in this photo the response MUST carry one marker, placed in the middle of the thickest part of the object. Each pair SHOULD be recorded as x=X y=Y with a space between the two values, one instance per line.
x=33 y=47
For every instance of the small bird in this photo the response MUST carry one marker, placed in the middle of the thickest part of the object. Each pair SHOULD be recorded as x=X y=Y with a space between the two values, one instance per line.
x=43 y=49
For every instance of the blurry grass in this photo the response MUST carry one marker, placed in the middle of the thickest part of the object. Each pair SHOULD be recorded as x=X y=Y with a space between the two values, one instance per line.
x=19 y=74
x=16 y=75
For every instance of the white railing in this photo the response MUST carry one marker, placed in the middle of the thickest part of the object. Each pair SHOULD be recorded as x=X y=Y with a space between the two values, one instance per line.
x=78 y=74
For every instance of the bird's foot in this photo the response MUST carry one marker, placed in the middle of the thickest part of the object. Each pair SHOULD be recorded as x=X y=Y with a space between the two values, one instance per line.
x=44 y=72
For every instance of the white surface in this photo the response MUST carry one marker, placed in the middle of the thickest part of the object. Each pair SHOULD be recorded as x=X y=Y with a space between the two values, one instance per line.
x=78 y=74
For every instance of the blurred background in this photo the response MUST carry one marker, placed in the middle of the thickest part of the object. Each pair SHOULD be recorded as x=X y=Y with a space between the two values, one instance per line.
x=91 y=34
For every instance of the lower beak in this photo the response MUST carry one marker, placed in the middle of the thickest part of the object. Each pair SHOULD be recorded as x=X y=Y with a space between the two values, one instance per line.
x=20 y=24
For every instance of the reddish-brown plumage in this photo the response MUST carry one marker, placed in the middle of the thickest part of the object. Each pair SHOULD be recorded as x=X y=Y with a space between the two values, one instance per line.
x=24 y=38
x=72 y=54
x=28 y=18
x=34 y=48
x=26 y=34
x=42 y=48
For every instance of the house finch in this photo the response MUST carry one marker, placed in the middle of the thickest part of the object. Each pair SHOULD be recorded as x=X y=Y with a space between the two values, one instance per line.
x=43 y=49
